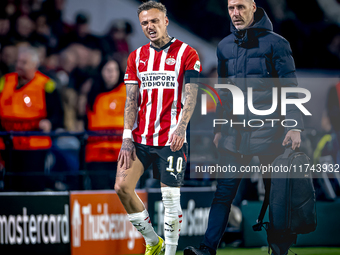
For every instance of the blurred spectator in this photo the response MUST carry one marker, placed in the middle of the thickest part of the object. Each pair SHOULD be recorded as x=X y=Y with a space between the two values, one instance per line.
x=105 y=113
x=116 y=40
x=78 y=66
x=36 y=5
x=53 y=10
x=328 y=149
x=8 y=58
x=80 y=82
x=24 y=27
x=329 y=55
x=333 y=108
x=10 y=7
x=29 y=102
x=81 y=34
x=4 y=27
x=49 y=64
x=68 y=63
x=82 y=71
x=43 y=32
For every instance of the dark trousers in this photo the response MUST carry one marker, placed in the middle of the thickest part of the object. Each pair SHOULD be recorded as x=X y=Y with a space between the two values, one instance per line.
x=227 y=186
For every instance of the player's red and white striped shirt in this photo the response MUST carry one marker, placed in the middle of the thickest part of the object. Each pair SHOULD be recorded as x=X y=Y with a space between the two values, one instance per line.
x=160 y=77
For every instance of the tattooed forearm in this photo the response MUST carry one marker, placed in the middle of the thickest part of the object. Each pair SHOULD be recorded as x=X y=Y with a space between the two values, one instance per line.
x=127 y=145
x=188 y=109
x=130 y=106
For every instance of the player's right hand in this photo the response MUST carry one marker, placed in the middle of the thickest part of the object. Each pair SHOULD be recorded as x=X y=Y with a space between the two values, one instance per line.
x=217 y=138
x=126 y=154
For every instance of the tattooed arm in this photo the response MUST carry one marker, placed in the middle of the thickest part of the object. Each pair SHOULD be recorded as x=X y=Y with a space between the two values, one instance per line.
x=128 y=150
x=177 y=138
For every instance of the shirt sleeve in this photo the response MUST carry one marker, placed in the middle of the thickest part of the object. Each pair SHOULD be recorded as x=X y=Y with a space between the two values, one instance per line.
x=192 y=61
x=130 y=76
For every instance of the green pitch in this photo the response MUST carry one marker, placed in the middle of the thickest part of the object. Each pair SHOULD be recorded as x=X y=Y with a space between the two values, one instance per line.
x=264 y=251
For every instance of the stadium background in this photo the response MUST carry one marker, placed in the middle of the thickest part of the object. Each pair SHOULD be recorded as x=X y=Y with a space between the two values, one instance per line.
x=73 y=36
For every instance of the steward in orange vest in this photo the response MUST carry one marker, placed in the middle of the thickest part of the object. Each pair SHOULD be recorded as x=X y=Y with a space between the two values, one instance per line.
x=105 y=112
x=29 y=102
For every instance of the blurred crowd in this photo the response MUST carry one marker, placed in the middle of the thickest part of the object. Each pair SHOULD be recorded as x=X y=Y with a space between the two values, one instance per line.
x=68 y=53
x=86 y=75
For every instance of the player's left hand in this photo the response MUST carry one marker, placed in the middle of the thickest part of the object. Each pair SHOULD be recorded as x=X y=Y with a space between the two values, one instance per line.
x=177 y=140
x=294 y=137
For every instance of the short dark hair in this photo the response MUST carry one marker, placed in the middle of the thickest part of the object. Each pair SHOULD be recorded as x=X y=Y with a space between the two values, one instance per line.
x=151 y=5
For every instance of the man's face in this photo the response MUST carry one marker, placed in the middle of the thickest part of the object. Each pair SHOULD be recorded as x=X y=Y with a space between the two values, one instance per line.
x=25 y=26
x=110 y=73
x=154 y=23
x=241 y=13
x=25 y=66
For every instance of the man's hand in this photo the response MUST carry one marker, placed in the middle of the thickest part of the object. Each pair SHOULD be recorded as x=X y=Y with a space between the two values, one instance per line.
x=177 y=139
x=126 y=154
x=294 y=137
x=217 y=138
x=45 y=125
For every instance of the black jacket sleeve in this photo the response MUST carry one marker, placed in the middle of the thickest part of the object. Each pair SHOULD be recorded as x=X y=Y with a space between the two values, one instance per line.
x=284 y=66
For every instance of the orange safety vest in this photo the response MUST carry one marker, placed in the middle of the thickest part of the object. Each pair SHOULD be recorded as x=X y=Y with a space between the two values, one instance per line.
x=22 y=109
x=107 y=114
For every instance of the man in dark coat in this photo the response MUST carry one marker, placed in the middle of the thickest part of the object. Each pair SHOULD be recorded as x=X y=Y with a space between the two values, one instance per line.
x=253 y=56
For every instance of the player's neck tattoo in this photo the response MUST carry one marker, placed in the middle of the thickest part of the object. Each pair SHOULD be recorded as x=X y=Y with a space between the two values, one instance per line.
x=162 y=41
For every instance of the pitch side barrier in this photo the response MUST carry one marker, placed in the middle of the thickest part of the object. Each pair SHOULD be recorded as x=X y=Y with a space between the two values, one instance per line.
x=91 y=222
x=35 y=223
x=70 y=223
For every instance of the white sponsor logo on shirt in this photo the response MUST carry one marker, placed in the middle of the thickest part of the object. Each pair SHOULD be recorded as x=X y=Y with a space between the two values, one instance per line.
x=126 y=76
x=158 y=79
x=170 y=61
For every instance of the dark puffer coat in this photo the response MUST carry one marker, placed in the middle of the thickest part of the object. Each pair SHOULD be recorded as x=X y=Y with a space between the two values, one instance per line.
x=259 y=58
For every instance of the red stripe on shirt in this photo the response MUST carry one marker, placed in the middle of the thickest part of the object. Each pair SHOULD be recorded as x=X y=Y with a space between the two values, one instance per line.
x=153 y=116
x=141 y=119
x=168 y=98
x=144 y=56
x=157 y=60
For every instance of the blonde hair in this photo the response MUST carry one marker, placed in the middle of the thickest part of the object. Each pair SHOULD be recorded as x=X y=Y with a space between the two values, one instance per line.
x=151 y=5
